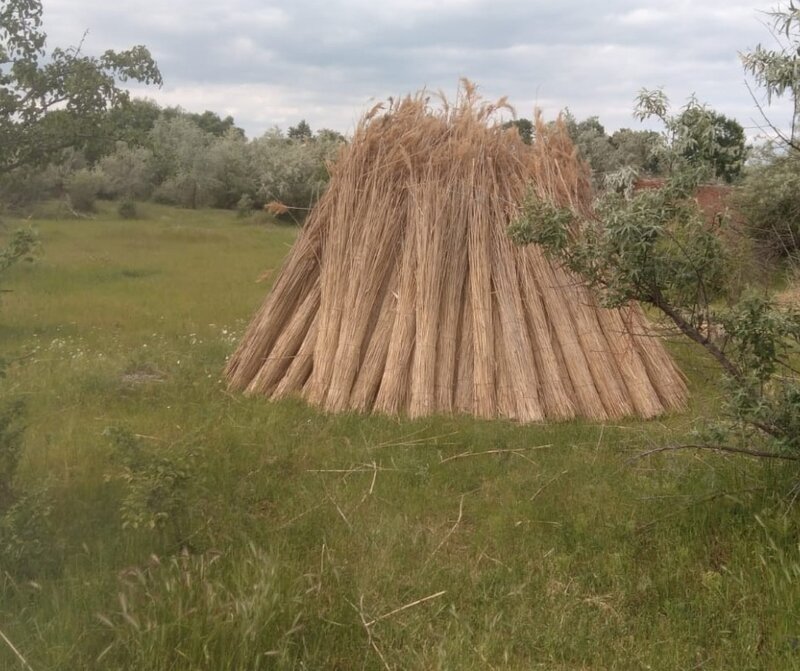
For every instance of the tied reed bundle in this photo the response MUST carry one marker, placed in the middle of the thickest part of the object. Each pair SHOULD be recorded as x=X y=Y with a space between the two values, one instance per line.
x=404 y=294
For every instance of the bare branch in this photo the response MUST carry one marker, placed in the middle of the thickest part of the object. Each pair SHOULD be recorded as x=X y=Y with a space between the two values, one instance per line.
x=789 y=142
x=761 y=454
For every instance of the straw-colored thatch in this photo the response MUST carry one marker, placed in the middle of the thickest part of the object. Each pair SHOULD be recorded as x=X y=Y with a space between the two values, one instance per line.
x=403 y=293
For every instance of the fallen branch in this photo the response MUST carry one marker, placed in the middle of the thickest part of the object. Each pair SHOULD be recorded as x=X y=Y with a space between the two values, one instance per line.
x=761 y=454
x=452 y=529
x=16 y=652
x=339 y=510
x=406 y=607
x=416 y=442
x=297 y=517
x=515 y=450
x=547 y=484
x=370 y=640
x=706 y=499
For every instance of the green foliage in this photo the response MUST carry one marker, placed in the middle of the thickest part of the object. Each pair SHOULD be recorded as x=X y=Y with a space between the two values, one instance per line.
x=27 y=544
x=769 y=201
x=49 y=101
x=128 y=172
x=293 y=172
x=777 y=71
x=542 y=222
x=197 y=168
x=622 y=181
x=130 y=122
x=697 y=138
x=631 y=149
x=21 y=246
x=524 y=128
x=11 y=434
x=211 y=122
x=714 y=139
x=655 y=247
x=245 y=206
x=330 y=136
x=25 y=530
x=82 y=187
x=764 y=400
x=535 y=572
x=156 y=485
x=127 y=209
x=636 y=149
x=229 y=160
x=21 y=188
x=179 y=155
x=647 y=247
x=300 y=132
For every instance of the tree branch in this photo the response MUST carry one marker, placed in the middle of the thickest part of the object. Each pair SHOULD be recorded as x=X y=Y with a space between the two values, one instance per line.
x=657 y=300
x=761 y=454
x=789 y=142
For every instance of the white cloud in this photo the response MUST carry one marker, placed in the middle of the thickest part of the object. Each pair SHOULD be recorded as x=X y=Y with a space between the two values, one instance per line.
x=276 y=62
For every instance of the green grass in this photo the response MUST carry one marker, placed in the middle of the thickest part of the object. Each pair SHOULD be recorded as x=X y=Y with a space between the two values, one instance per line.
x=279 y=533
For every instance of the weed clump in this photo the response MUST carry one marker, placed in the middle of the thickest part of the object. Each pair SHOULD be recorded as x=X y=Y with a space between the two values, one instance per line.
x=127 y=209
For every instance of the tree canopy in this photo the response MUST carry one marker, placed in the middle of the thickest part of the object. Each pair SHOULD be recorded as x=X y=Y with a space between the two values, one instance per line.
x=56 y=99
x=777 y=71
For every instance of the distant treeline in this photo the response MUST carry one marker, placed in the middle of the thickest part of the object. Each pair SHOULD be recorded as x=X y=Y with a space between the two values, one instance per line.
x=141 y=151
x=642 y=151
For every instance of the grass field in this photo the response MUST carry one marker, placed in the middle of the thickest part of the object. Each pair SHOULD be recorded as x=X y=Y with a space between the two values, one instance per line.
x=167 y=524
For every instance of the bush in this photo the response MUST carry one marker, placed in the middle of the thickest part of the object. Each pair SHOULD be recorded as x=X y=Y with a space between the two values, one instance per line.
x=19 y=189
x=128 y=172
x=127 y=209
x=769 y=200
x=290 y=171
x=82 y=188
x=182 y=190
x=245 y=206
x=11 y=432
x=25 y=531
x=156 y=485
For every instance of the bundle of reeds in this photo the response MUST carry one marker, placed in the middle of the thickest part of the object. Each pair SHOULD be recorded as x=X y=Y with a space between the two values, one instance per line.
x=404 y=294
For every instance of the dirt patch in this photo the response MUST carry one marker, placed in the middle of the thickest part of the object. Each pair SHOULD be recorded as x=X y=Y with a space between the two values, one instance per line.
x=142 y=376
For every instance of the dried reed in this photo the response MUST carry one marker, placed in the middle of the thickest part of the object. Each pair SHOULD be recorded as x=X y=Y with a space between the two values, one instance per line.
x=403 y=293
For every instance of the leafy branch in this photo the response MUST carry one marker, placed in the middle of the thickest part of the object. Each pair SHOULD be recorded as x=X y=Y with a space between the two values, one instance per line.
x=655 y=247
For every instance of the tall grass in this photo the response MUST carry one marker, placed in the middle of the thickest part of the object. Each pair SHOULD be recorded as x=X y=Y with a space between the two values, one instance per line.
x=304 y=540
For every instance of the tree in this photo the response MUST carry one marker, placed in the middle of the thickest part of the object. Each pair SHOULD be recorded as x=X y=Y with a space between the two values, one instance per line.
x=302 y=131
x=636 y=148
x=293 y=172
x=49 y=101
x=328 y=135
x=127 y=172
x=130 y=122
x=211 y=122
x=769 y=201
x=234 y=177
x=697 y=138
x=524 y=128
x=594 y=146
x=778 y=70
x=631 y=150
x=725 y=153
x=770 y=195
x=654 y=247
x=180 y=158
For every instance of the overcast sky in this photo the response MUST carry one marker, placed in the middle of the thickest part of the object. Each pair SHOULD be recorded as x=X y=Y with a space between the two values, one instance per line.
x=274 y=63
